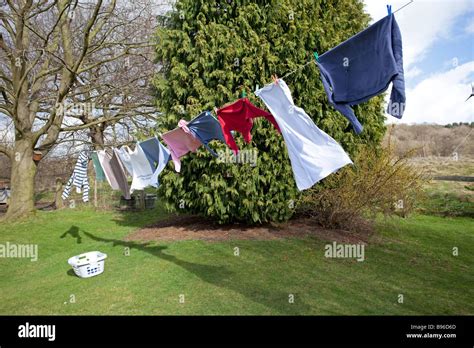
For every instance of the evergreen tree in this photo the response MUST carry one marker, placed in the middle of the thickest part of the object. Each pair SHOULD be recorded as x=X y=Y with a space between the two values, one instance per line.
x=209 y=51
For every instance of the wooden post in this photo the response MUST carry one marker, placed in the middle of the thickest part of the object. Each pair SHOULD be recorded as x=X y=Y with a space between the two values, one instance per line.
x=58 y=201
x=142 y=200
x=95 y=192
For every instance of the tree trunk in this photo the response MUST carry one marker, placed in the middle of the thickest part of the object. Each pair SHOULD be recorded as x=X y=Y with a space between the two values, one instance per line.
x=22 y=180
x=58 y=201
x=97 y=137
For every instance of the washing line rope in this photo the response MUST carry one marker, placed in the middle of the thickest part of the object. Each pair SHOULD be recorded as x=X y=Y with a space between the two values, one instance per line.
x=462 y=142
x=408 y=3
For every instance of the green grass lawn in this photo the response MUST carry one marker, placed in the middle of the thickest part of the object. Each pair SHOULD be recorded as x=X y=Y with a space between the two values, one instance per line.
x=410 y=256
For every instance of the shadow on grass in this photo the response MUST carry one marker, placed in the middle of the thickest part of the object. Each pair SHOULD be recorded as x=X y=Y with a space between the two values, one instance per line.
x=74 y=232
x=158 y=217
x=190 y=222
x=220 y=276
x=140 y=218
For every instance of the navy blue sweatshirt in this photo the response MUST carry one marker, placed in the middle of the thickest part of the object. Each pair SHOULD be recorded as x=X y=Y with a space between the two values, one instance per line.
x=363 y=67
x=206 y=128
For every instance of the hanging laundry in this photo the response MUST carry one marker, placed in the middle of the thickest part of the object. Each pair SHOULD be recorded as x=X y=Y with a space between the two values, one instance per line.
x=4 y=195
x=141 y=168
x=239 y=116
x=205 y=128
x=79 y=178
x=180 y=143
x=119 y=173
x=125 y=159
x=158 y=156
x=363 y=67
x=104 y=159
x=99 y=172
x=313 y=154
x=114 y=172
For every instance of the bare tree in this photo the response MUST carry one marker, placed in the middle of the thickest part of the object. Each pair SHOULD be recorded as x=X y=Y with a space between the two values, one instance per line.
x=118 y=90
x=55 y=52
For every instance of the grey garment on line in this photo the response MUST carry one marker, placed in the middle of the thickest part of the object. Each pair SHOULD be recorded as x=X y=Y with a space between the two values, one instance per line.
x=120 y=175
x=104 y=159
x=114 y=172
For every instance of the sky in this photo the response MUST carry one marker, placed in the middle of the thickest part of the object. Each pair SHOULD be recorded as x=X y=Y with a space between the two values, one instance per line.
x=438 y=57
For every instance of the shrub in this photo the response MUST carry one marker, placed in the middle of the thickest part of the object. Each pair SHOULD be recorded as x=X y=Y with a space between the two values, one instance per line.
x=379 y=183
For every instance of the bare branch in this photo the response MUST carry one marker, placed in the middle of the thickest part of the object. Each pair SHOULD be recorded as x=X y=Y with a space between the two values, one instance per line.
x=6 y=151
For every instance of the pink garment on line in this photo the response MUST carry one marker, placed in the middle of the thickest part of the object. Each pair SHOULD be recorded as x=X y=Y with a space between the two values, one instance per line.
x=184 y=126
x=180 y=143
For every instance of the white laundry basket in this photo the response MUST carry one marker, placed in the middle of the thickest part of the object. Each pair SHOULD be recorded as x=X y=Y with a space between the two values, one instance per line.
x=88 y=264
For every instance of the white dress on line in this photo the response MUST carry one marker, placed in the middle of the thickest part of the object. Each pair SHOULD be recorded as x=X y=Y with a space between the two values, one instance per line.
x=313 y=154
x=142 y=171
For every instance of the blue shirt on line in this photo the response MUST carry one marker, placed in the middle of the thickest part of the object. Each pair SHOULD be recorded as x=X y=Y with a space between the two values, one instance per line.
x=363 y=67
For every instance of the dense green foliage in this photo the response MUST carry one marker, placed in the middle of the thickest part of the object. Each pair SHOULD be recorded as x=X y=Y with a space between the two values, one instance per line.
x=208 y=52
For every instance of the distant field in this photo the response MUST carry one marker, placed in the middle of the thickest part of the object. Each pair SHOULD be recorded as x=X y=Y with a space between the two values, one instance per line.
x=464 y=165
x=447 y=197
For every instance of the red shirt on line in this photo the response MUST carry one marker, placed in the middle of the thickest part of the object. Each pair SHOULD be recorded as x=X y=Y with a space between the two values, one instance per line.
x=239 y=116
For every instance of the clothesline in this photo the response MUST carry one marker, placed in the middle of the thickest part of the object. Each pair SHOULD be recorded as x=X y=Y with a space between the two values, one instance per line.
x=462 y=142
x=408 y=3
x=313 y=153
x=316 y=55
x=91 y=144
x=299 y=68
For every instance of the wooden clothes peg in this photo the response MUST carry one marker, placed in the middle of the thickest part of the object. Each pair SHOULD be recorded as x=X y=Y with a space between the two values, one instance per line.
x=243 y=91
x=275 y=79
x=316 y=56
